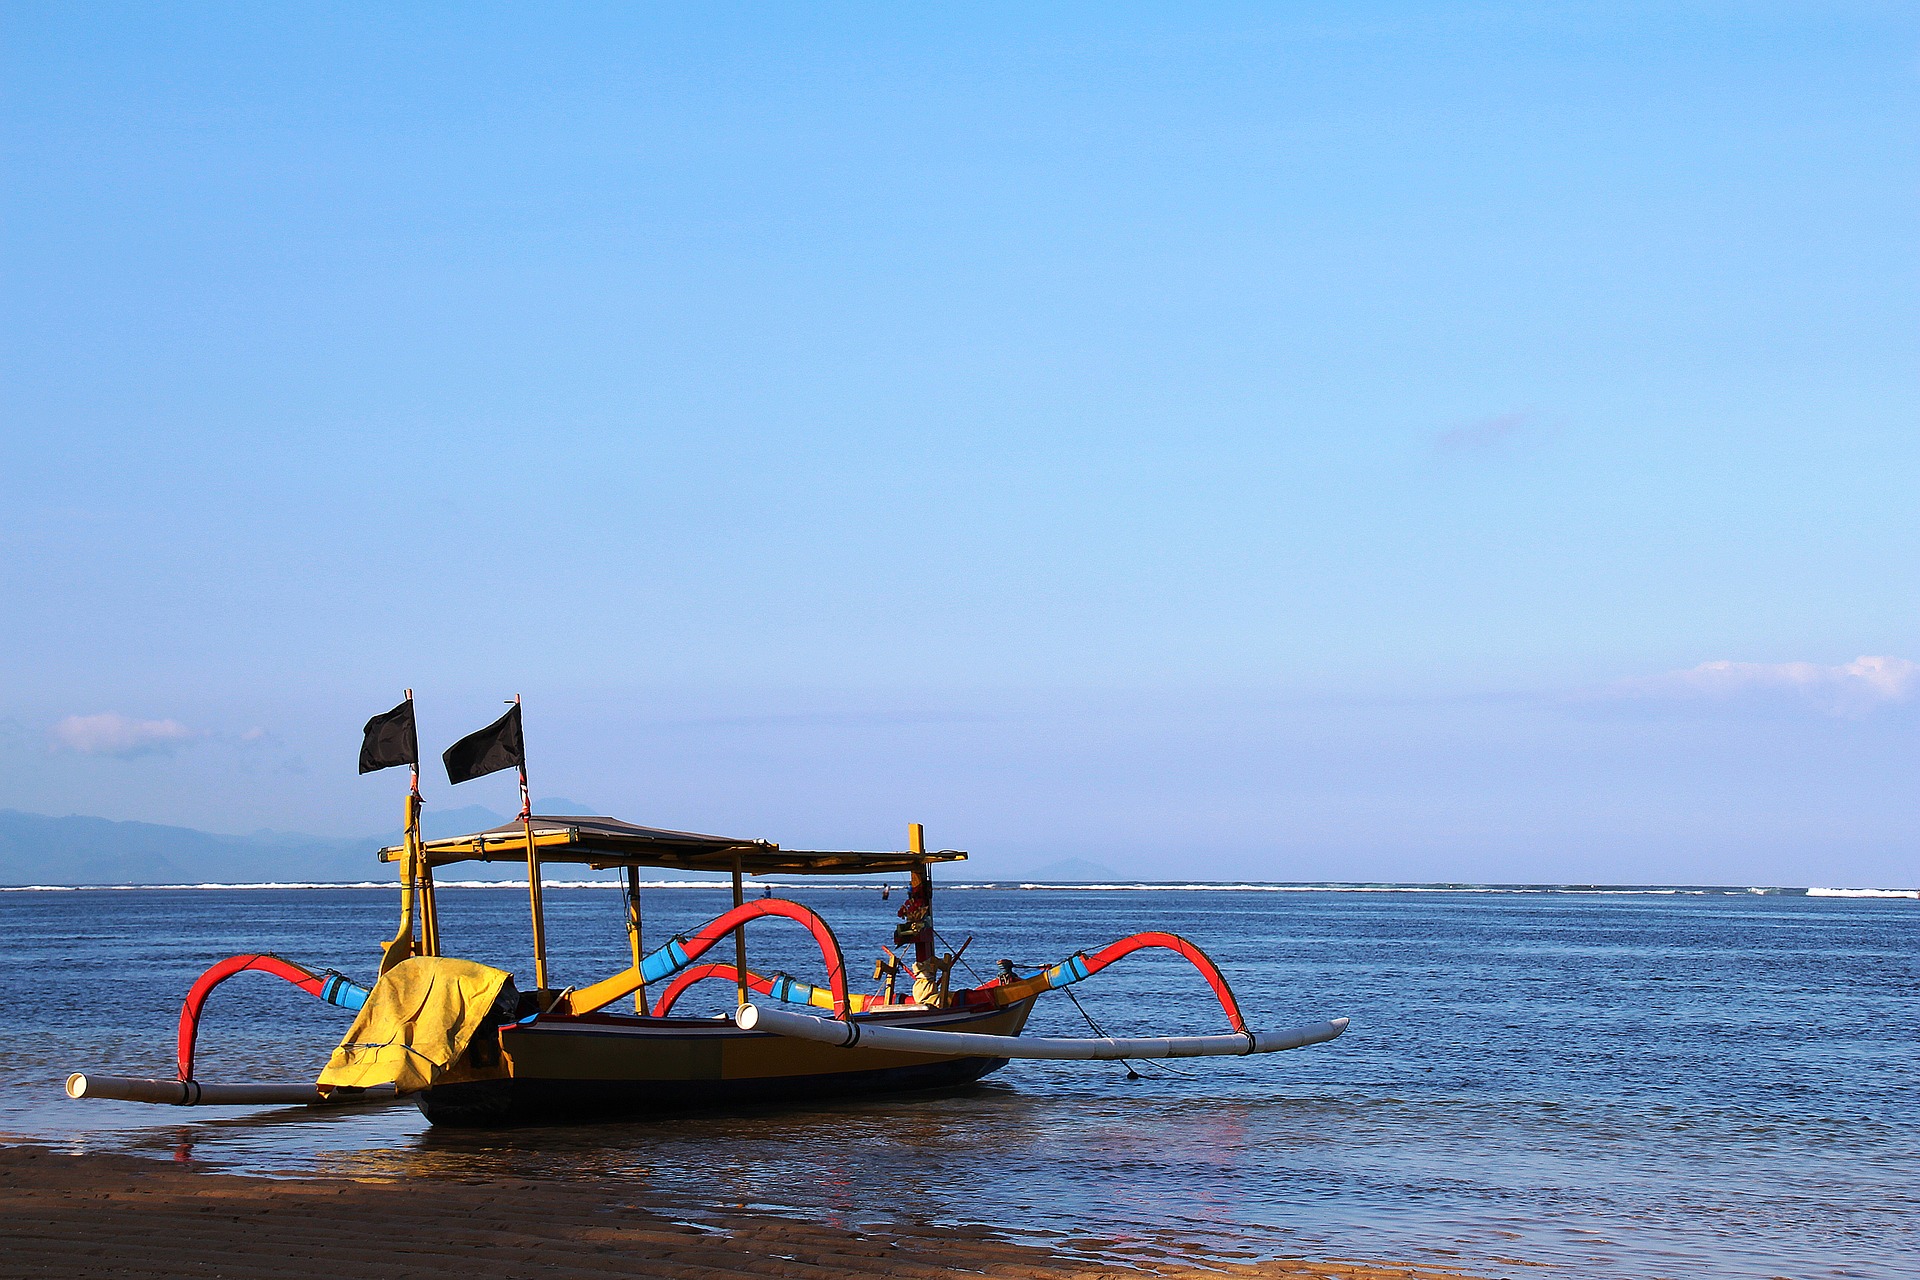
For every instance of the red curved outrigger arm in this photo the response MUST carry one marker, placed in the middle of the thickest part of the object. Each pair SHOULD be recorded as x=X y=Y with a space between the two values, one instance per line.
x=203 y=987
x=328 y=986
x=681 y=952
x=777 y=986
x=1081 y=965
x=1179 y=945
x=700 y=973
x=720 y=926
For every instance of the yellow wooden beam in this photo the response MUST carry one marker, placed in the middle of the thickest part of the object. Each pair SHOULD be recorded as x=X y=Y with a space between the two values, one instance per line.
x=604 y=992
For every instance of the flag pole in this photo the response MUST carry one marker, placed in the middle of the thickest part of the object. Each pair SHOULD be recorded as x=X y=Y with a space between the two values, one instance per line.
x=533 y=872
x=415 y=855
x=404 y=946
x=423 y=874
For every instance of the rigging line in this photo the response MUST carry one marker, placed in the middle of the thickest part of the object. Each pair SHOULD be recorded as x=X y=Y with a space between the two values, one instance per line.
x=1157 y=1068
x=1133 y=1069
x=960 y=955
x=1097 y=1029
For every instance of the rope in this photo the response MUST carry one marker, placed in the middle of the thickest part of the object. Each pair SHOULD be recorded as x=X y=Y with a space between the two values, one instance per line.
x=1097 y=1029
x=960 y=955
x=1104 y=1034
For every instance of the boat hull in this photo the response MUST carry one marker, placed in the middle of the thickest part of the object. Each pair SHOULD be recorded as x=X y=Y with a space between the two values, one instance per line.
x=609 y=1067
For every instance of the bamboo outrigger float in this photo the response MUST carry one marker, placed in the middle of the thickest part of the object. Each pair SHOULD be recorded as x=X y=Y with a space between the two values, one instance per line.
x=472 y=1049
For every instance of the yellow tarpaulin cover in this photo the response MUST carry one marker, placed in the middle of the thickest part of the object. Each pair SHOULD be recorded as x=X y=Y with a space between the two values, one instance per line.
x=417 y=1020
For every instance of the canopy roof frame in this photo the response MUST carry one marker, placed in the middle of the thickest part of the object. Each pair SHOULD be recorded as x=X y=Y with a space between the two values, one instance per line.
x=601 y=843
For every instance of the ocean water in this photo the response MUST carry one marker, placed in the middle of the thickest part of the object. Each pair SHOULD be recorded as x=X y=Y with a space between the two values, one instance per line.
x=1634 y=1084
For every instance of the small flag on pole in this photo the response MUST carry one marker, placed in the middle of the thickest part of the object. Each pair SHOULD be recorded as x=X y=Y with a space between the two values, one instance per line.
x=390 y=740
x=498 y=746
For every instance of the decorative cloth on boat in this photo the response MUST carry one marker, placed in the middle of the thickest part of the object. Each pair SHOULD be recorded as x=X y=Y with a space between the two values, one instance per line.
x=916 y=913
x=420 y=1017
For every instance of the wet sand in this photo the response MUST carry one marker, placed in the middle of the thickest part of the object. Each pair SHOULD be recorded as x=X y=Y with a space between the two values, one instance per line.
x=128 y=1217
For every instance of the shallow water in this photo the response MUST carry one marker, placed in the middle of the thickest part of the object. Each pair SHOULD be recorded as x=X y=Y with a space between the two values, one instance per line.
x=1613 y=1084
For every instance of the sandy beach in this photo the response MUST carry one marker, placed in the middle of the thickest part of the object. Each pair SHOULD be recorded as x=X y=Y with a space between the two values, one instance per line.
x=124 y=1216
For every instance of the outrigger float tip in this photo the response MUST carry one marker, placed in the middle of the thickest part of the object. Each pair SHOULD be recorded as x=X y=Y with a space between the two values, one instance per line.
x=193 y=1093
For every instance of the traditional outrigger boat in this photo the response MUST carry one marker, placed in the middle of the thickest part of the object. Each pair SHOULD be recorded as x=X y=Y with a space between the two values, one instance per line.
x=472 y=1049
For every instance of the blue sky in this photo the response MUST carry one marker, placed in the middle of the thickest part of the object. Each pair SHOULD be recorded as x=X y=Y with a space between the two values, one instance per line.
x=1257 y=441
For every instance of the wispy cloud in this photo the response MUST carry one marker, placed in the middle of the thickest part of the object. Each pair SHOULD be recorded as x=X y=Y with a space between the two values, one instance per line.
x=1483 y=434
x=1852 y=688
x=112 y=734
x=836 y=719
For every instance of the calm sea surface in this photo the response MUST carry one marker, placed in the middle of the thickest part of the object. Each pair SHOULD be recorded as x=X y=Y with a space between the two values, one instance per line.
x=1636 y=1085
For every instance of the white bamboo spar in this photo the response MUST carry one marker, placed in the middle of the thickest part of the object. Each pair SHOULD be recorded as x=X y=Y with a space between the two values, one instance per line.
x=755 y=1017
x=192 y=1093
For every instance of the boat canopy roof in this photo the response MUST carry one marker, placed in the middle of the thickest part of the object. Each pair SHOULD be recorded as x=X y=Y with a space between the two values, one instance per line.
x=609 y=842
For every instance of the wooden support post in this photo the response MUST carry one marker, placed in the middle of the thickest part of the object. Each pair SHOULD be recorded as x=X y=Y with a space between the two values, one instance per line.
x=417 y=862
x=739 y=934
x=423 y=872
x=534 y=898
x=887 y=968
x=429 y=911
x=633 y=935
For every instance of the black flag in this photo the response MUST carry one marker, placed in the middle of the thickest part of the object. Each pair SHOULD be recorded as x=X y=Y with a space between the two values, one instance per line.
x=496 y=747
x=390 y=740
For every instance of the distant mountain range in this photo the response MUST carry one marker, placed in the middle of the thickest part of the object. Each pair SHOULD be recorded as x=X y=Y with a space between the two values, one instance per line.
x=75 y=850
x=1075 y=871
